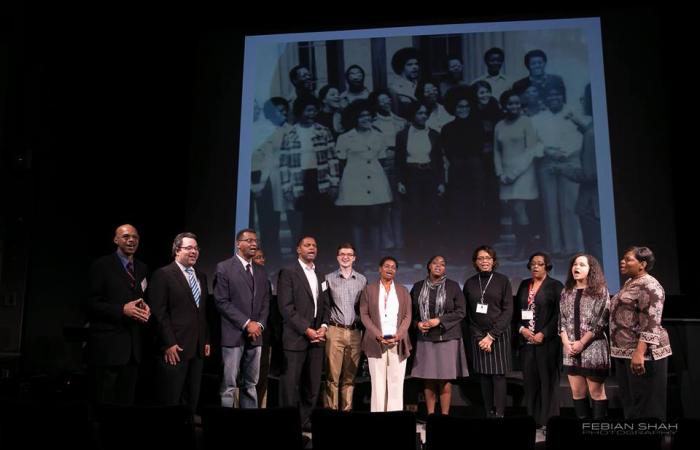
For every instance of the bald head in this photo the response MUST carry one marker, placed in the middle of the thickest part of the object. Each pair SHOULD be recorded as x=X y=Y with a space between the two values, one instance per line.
x=127 y=239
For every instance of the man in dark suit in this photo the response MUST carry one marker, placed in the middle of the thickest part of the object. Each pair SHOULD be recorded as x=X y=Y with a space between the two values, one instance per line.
x=117 y=313
x=178 y=296
x=242 y=297
x=304 y=305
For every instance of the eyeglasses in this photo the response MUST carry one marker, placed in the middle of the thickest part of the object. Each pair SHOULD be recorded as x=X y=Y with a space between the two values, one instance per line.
x=484 y=258
x=189 y=248
x=249 y=240
x=349 y=255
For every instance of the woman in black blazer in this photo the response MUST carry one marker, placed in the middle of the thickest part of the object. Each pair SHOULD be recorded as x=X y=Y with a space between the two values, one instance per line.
x=438 y=310
x=537 y=317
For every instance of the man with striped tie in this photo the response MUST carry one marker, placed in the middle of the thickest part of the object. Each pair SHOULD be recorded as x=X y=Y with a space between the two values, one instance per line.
x=177 y=297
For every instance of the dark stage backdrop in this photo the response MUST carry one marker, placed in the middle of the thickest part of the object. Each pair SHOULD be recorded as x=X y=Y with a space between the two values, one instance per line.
x=113 y=116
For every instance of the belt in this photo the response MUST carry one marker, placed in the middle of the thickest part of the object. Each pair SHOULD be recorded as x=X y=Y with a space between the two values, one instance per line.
x=340 y=325
x=421 y=166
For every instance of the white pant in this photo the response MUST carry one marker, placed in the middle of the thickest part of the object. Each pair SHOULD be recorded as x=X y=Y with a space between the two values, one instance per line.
x=387 y=375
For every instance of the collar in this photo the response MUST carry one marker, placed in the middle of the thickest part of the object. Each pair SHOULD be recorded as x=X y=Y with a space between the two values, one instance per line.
x=339 y=274
x=123 y=258
x=243 y=261
x=183 y=268
x=499 y=76
x=305 y=267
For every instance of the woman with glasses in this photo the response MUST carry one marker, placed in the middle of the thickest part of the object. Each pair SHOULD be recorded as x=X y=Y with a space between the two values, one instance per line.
x=490 y=308
x=537 y=318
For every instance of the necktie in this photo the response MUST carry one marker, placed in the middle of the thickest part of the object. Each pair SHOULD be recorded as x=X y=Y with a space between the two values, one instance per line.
x=249 y=269
x=193 y=285
x=130 y=272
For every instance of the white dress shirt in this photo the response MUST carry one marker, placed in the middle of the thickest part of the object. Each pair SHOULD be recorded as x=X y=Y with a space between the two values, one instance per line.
x=388 y=309
x=313 y=282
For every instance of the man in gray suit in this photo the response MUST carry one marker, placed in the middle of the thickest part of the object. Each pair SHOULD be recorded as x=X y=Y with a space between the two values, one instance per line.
x=243 y=299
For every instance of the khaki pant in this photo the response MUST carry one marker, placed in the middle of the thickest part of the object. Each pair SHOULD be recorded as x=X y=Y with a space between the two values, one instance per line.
x=342 y=359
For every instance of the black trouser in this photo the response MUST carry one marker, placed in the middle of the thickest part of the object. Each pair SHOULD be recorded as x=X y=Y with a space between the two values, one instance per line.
x=493 y=391
x=541 y=379
x=179 y=384
x=421 y=212
x=643 y=396
x=115 y=385
x=302 y=369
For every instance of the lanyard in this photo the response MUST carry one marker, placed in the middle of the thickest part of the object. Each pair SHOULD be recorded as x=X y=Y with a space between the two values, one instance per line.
x=386 y=296
x=483 y=291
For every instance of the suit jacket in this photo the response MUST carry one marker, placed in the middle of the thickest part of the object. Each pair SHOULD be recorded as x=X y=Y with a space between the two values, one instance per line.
x=296 y=305
x=114 y=337
x=369 y=313
x=178 y=319
x=238 y=301
x=450 y=321
x=546 y=308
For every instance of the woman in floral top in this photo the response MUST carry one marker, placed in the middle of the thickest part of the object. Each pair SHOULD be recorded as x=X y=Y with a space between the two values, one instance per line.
x=583 y=321
x=639 y=344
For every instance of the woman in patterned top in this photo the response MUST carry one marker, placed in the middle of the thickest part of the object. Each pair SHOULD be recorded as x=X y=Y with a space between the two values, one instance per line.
x=639 y=344
x=583 y=321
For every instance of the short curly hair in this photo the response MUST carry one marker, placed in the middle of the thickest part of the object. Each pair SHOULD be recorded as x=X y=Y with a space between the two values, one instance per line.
x=402 y=56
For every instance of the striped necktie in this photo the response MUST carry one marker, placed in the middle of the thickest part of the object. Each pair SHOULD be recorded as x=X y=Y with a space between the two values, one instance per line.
x=196 y=292
x=249 y=269
x=130 y=272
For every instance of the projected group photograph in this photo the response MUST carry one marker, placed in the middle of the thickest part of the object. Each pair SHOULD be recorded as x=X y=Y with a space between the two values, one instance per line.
x=422 y=141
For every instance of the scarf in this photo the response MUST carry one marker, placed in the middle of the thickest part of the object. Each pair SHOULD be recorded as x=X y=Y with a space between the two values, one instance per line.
x=424 y=298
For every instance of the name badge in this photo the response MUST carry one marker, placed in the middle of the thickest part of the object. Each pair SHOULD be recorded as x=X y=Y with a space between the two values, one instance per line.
x=527 y=314
x=482 y=308
x=324 y=286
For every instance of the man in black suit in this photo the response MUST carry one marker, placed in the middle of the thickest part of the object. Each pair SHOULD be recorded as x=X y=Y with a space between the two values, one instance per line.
x=117 y=314
x=178 y=296
x=304 y=305
x=242 y=295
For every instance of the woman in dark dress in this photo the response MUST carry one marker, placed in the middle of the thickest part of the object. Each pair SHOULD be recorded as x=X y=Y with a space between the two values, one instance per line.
x=490 y=309
x=537 y=301
x=438 y=310
x=583 y=322
x=463 y=142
